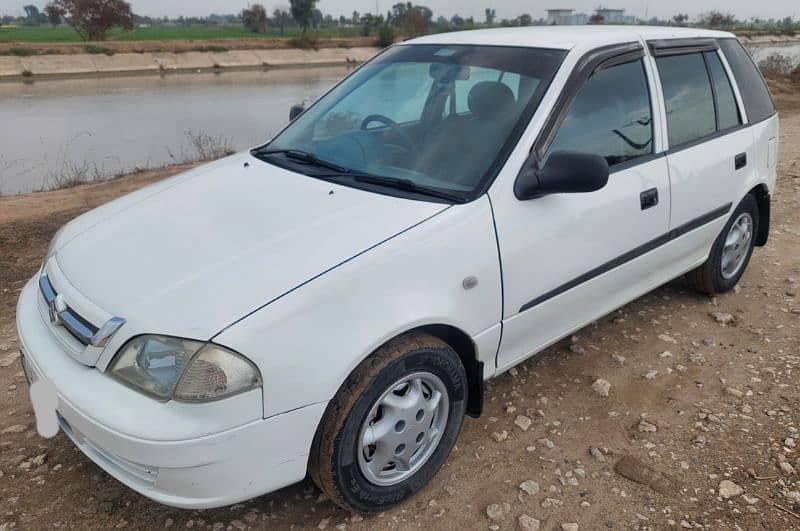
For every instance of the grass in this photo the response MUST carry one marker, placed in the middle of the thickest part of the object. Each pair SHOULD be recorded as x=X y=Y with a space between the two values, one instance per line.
x=67 y=34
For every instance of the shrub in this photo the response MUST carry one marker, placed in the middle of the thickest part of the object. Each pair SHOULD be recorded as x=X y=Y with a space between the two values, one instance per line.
x=97 y=50
x=21 y=52
x=385 y=35
x=304 y=42
x=775 y=65
x=795 y=75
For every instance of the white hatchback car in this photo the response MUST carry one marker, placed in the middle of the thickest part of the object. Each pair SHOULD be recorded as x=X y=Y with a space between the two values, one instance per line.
x=332 y=302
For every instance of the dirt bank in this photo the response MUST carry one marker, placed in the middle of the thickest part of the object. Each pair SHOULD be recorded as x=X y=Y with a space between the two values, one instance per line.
x=75 y=65
x=700 y=401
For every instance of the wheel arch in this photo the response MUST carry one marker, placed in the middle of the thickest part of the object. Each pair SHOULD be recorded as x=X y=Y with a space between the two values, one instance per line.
x=762 y=197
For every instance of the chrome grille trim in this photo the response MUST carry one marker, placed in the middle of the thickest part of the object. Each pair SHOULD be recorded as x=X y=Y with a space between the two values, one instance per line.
x=84 y=331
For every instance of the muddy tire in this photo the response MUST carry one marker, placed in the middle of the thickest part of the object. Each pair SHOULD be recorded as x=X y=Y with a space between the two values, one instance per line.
x=730 y=253
x=416 y=387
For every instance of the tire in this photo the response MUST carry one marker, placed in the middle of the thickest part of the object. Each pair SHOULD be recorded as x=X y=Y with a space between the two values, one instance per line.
x=712 y=278
x=349 y=471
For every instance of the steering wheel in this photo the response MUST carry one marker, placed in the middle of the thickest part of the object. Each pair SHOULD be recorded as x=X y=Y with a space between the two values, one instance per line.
x=406 y=139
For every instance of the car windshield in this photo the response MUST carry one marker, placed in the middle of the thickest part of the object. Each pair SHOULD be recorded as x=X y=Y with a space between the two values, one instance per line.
x=432 y=118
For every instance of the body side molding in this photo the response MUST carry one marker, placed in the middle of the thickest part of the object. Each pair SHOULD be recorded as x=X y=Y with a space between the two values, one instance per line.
x=631 y=255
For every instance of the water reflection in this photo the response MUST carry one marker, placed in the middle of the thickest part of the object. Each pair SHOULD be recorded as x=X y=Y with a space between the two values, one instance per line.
x=99 y=127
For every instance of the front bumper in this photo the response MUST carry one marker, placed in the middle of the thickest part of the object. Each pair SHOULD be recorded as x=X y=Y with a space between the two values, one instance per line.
x=183 y=455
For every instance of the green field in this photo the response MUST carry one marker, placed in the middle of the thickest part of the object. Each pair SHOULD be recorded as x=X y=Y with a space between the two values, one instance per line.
x=66 y=34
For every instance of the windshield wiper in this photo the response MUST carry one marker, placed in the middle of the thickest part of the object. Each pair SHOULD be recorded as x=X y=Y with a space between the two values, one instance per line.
x=302 y=156
x=407 y=185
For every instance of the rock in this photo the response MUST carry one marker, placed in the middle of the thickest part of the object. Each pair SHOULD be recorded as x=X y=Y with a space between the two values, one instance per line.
x=634 y=469
x=16 y=428
x=793 y=496
x=4 y=347
x=498 y=511
x=500 y=437
x=650 y=375
x=789 y=442
x=528 y=523
x=750 y=500
x=39 y=460
x=513 y=371
x=569 y=527
x=601 y=387
x=9 y=359
x=529 y=486
x=647 y=427
x=734 y=392
x=547 y=443
x=523 y=422
x=665 y=354
x=551 y=502
x=786 y=468
x=729 y=489
x=618 y=359
x=597 y=453
x=323 y=523
x=723 y=318
x=577 y=349
x=666 y=338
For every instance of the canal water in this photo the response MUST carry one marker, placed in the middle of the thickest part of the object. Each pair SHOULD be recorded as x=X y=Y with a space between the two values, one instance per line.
x=90 y=128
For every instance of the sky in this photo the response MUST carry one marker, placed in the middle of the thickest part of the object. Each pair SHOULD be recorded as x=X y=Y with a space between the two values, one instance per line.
x=743 y=9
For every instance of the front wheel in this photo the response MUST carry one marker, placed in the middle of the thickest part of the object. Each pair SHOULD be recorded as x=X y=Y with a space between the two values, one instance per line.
x=731 y=251
x=391 y=425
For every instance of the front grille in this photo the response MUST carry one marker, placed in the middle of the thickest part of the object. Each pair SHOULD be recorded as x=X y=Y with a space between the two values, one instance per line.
x=77 y=326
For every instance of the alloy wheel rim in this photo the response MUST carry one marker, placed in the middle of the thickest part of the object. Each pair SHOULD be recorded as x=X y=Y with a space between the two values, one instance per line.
x=403 y=428
x=736 y=246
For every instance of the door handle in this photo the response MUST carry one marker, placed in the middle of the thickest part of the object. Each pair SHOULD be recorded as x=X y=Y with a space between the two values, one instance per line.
x=740 y=161
x=649 y=198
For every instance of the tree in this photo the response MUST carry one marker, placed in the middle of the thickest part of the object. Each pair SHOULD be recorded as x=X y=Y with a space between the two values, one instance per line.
x=716 y=19
x=53 y=15
x=316 y=18
x=491 y=15
x=281 y=17
x=255 y=18
x=680 y=19
x=596 y=19
x=303 y=12
x=31 y=15
x=92 y=19
x=524 y=20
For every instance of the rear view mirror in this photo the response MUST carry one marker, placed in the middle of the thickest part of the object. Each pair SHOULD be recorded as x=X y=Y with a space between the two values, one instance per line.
x=446 y=72
x=296 y=110
x=565 y=172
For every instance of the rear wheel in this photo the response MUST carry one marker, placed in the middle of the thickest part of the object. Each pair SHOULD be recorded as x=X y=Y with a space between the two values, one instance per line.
x=391 y=425
x=731 y=252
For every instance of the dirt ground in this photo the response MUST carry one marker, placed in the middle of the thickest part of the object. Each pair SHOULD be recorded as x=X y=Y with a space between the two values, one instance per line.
x=707 y=393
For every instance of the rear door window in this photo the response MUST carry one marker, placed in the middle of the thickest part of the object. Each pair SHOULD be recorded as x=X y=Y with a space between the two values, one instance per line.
x=755 y=94
x=727 y=109
x=688 y=97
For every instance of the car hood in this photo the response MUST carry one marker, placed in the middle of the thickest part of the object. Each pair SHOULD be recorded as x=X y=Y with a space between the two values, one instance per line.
x=194 y=253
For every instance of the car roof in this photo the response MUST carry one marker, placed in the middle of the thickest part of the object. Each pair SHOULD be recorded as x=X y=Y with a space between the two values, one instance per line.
x=565 y=37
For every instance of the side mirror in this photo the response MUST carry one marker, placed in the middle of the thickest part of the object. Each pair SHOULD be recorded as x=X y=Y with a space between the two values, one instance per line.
x=565 y=172
x=296 y=110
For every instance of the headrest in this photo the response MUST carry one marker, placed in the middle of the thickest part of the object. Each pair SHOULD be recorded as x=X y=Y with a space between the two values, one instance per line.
x=487 y=98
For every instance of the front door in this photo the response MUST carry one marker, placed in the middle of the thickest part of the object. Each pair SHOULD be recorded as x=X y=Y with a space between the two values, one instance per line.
x=570 y=258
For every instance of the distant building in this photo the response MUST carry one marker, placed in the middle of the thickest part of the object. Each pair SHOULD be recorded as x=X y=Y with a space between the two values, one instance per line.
x=565 y=17
x=614 y=16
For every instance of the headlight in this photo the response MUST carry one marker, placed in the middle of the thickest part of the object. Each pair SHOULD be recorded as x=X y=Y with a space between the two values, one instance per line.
x=193 y=371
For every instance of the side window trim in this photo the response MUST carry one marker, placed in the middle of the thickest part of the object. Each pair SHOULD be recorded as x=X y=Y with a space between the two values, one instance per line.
x=714 y=96
x=735 y=85
x=588 y=64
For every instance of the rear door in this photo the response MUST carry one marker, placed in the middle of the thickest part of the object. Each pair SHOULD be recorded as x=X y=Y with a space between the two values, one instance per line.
x=709 y=150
